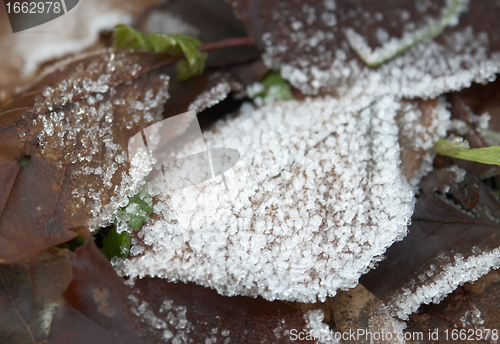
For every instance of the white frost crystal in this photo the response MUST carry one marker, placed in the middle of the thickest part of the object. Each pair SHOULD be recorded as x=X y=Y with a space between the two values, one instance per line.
x=445 y=282
x=324 y=196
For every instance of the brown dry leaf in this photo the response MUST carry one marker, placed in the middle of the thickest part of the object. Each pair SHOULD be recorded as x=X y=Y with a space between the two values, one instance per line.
x=30 y=294
x=189 y=312
x=96 y=307
x=99 y=308
x=453 y=239
x=74 y=122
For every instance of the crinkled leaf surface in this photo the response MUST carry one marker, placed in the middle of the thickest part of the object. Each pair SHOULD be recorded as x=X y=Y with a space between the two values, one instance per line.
x=74 y=121
x=307 y=41
x=30 y=294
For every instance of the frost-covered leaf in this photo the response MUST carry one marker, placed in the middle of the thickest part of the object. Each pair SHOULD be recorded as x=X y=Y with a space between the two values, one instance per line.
x=331 y=185
x=307 y=41
x=136 y=211
x=421 y=123
x=395 y=46
x=74 y=121
x=471 y=309
x=96 y=308
x=206 y=91
x=30 y=294
x=454 y=238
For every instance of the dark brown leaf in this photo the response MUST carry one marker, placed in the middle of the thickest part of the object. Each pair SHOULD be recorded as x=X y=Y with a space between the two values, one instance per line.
x=97 y=309
x=453 y=239
x=196 y=314
x=96 y=306
x=30 y=293
x=74 y=121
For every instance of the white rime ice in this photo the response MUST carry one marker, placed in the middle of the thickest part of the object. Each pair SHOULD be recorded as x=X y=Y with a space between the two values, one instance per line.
x=323 y=196
x=443 y=283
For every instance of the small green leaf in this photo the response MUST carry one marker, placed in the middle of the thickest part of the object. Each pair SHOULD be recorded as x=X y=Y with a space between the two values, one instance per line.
x=271 y=88
x=144 y=200
x=276 y=87
x=189 y=47
x=25 y=160
x=163 y=43
x=116 y=244
x=126 y=37
x=460 y=150
x=186 y=71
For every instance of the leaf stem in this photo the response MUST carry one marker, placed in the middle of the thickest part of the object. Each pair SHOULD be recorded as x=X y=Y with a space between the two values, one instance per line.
x=219 y=45
x=228 y=43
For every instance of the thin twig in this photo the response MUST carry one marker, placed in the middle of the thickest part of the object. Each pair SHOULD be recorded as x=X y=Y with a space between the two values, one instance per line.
x=219 y=45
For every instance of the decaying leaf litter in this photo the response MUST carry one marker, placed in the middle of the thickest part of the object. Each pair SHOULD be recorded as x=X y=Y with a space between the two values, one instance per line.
x=349 y=147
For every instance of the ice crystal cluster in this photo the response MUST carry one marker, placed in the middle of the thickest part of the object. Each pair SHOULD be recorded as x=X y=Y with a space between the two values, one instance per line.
x=322 y=198
x=435 y=285
x=77 y=128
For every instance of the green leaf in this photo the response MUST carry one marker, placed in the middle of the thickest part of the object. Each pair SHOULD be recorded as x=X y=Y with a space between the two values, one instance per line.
x=136 y=212
x=271 y=88
x=163 y=43
x=144 y=200
x=186 y=71
x=116 y=244
x=25 y=160
x=174 y=44
x=275 y=87
x=460 y=150
x=189 y=47
x=126 y=37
